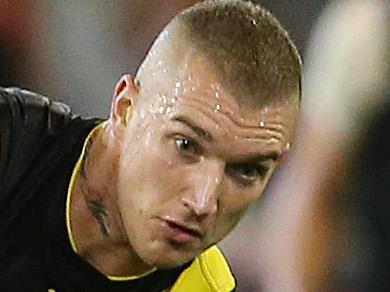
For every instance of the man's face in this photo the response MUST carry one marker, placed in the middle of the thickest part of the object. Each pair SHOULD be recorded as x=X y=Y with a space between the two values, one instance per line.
x=192 y=161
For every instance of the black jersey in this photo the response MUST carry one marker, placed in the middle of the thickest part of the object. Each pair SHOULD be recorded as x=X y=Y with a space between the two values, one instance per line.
x=40 y=142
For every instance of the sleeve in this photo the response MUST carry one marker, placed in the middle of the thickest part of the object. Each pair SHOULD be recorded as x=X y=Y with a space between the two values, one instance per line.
x=26 y=121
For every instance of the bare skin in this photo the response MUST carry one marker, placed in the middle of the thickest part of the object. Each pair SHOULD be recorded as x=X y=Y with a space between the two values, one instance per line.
x=173 y=170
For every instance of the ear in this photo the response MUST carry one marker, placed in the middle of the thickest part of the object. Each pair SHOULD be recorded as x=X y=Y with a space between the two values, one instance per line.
x=122 y=104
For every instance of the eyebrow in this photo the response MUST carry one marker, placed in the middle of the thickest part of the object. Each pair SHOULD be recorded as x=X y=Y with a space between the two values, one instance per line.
x=273 y=155
x=190 y=124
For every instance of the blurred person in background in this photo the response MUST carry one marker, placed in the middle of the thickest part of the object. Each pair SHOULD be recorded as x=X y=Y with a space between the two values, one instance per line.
x=188 y=147
x=332 y=196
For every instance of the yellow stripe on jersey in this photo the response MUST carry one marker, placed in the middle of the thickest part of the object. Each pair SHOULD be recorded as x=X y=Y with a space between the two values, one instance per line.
x=209 y=272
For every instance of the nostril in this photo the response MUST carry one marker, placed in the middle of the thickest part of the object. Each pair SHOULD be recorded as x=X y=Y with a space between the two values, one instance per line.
x=185 y=203
x=200 y=209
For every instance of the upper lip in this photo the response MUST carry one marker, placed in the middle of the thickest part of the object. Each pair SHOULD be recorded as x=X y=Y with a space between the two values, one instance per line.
x=190 y=228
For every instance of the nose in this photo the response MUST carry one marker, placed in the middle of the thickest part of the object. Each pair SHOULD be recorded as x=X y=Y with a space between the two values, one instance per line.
x=203 y=193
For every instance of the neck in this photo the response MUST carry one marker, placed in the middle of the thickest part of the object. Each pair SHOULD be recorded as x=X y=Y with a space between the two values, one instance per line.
x=96 y=226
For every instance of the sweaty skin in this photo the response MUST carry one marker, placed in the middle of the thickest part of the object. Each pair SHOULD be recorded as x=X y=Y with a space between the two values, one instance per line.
x=175 y=168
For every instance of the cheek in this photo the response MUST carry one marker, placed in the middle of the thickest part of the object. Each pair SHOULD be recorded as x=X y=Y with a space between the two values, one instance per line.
x=238 y=198
x=232 y=208
x=226 y=222
x=148 y=177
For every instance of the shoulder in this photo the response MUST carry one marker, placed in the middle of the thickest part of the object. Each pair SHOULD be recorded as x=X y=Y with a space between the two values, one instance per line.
x=19 y=102
x=23 y=109
x=209 y=272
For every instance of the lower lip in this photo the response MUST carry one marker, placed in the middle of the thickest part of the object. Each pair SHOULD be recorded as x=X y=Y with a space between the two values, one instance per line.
x=175 y=233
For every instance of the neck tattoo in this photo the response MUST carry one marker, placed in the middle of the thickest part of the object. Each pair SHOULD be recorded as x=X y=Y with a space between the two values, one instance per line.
x=95 y=206
x=98 y=210
x=85 y=158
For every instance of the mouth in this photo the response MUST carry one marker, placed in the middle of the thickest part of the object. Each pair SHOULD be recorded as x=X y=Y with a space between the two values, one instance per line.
x=180 y=232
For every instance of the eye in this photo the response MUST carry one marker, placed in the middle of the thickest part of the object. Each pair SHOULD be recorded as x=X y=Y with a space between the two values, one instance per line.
x=183 y=143
x=248 y=173
x=186 y=146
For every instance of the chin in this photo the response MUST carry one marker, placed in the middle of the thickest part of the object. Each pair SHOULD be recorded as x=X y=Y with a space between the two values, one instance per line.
x=171 y=264
x=166 y=260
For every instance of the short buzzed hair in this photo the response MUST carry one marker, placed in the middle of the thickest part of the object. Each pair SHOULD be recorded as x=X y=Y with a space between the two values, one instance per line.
x=250 y=50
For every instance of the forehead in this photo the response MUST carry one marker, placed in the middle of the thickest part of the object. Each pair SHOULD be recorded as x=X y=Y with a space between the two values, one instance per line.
x=193 y=78
x=192 y=92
